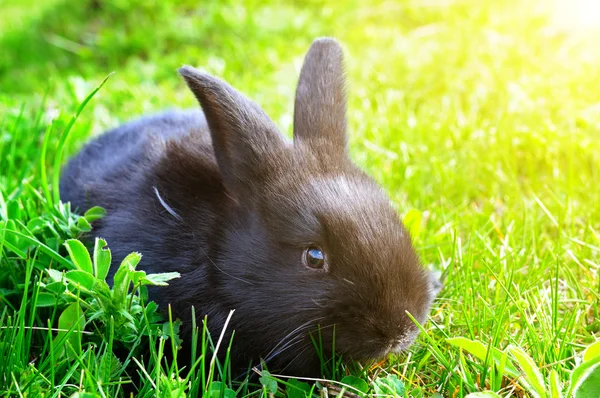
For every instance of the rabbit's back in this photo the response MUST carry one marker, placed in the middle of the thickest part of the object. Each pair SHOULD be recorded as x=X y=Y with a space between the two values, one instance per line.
x=120 y=158
x=155 y=177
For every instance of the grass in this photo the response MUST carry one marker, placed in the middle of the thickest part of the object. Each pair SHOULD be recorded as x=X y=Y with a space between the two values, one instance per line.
x=481 y=119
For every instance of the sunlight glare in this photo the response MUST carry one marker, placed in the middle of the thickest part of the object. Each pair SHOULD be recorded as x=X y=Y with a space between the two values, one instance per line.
x=577 y=14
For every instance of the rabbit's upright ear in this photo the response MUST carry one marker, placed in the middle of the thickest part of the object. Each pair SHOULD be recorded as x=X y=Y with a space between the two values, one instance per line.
x=245 y=140
x=320 y=107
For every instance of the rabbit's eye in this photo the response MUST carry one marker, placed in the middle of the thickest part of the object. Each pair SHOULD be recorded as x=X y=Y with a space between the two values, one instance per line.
x=313 y=257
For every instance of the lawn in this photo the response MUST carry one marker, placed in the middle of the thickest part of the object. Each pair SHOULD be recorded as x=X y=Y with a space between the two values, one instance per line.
x=480 y=118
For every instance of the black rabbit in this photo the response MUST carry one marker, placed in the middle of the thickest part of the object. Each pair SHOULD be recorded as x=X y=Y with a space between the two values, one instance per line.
x=292 y=235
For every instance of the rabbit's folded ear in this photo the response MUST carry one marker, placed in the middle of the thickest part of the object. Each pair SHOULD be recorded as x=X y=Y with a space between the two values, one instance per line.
x=320 y=106
x=245 y=140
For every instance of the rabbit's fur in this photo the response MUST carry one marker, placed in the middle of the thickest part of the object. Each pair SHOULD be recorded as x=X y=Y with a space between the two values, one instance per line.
x=227 y=201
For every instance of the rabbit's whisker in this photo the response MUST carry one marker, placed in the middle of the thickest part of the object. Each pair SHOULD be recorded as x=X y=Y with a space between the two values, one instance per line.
x=292 y=342
x=308 y=346
x=296 y=331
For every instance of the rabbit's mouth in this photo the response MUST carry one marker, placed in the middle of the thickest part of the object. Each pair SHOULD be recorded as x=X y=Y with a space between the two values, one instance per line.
x=380 y=349
x=398 y=345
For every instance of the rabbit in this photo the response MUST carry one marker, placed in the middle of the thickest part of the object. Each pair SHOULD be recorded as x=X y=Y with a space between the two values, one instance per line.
x=290 y=234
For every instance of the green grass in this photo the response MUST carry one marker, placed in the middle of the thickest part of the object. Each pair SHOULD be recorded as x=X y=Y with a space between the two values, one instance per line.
x=481 y=119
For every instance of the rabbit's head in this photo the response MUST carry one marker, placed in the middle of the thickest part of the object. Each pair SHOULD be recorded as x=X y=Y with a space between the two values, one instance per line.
x=315 y=248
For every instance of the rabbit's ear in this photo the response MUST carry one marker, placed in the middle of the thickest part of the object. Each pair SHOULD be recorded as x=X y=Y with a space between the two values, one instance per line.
x=245 y=140
x=320 y=108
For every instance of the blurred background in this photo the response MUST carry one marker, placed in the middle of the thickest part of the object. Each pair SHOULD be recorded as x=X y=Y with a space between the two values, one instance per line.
x=477 y=57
